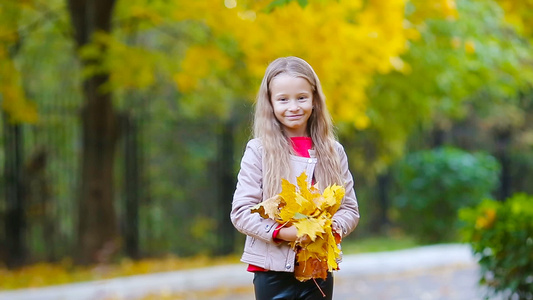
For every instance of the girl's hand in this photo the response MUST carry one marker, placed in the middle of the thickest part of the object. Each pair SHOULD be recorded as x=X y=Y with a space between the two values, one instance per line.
x=336 y=232
x=288 y=234
x=336 y=228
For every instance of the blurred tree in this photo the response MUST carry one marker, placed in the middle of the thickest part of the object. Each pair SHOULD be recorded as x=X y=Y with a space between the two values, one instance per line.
x=509 y=121
x=98 y=232
x=519 y=13
x=471 y=58
x=435 y=184
x=471 y=63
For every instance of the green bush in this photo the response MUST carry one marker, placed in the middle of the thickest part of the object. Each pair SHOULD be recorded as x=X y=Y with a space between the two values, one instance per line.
x=501 y=235
x=433 y=185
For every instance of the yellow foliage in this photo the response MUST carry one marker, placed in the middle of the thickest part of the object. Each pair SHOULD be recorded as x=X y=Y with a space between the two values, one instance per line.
x=347 y=42
x=197 y=63
x=486 y=220
x=311 y=213
x=128 y=66
x=520 y=14
x=470 y=47
x=45 y=274
x=144 y=12
x=456 y=42
x=14 y=101
x=434 y=9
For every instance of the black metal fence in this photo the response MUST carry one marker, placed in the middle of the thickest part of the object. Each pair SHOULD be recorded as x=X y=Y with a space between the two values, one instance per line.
x=39 y=164
x=174 y=181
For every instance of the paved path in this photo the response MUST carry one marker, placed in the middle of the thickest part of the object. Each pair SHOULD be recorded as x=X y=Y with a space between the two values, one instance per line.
x=443 y=272
x=456 y=282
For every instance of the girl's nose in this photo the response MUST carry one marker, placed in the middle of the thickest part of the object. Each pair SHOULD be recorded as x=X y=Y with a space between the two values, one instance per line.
x=294 y=106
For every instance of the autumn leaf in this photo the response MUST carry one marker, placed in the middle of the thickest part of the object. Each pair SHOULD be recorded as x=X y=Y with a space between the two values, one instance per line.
x=333 y=252
x=310 y=227
x=269 y=208
x=317 y=246
x=311 y=268
x=307 y=207
x=332 y=198
x=288 y=194
x=305 y=191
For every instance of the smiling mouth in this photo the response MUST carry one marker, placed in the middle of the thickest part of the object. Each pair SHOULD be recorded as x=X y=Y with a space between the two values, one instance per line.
x=294 y=117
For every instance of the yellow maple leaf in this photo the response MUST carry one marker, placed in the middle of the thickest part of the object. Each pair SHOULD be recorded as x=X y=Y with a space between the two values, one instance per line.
x=268 y=209
x=310 y=227
x=333 y=252
x=288 y=194
x=304 y=254
x=318 y=246
x=309 y=193
x=307 y=207
x=333 y=196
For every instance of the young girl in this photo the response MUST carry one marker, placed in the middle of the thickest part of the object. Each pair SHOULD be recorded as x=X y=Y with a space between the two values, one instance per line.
x=293 y=133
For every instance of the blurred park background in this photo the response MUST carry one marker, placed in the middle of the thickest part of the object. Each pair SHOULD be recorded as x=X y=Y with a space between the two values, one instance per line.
x=123 y=122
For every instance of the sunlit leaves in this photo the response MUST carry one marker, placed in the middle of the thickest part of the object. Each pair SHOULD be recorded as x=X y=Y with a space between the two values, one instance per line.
x=421 y=10
x=197 y=64
x=345 y=41
x=519 y=13
x=473 y=57
x=13 y=18
x=14 y=101
x=230 y=43
x=311 y=213
x=129 y=67
x=45 y=274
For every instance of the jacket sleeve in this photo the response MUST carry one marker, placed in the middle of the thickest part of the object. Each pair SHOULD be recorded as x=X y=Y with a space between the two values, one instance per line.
x=347 y=217
x=248 y=193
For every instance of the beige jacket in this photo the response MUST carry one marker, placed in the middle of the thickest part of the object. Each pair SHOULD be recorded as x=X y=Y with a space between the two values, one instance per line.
x=260 y=249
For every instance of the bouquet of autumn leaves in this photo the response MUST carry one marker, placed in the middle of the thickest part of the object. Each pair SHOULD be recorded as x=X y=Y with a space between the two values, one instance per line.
x=311 y=213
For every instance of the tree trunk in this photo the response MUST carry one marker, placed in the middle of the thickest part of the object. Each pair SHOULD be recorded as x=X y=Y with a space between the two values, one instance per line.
x=438 y=136
x=132 y=186
x=503 y=139
x=226 y=188
x=98 y=228
x=383 y=181
x=15 y=222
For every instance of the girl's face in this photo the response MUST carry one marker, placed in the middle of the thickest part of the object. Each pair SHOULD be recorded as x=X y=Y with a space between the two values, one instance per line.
x=292 y=100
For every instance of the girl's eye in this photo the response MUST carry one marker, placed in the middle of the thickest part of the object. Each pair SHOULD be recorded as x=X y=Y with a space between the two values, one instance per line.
x=302 y=98
x=283 y=99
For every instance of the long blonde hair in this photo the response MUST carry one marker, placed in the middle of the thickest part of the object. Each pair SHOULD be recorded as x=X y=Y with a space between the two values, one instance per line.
x=277 y=146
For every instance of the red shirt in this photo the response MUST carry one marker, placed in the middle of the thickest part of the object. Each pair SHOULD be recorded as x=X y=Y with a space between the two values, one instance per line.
x=301 y=146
